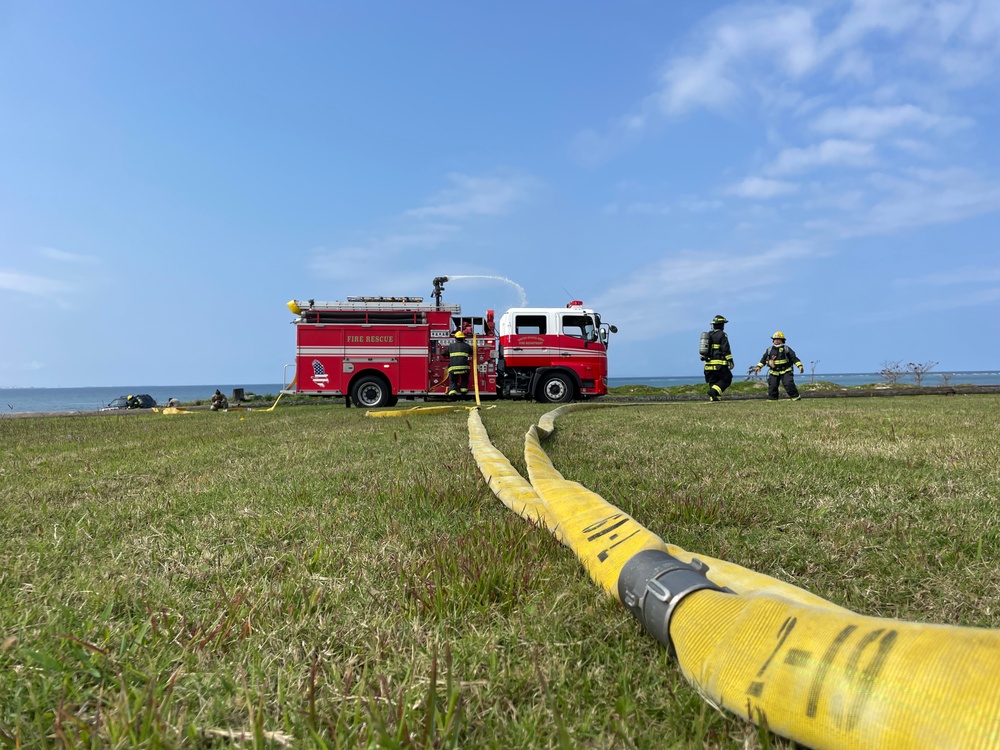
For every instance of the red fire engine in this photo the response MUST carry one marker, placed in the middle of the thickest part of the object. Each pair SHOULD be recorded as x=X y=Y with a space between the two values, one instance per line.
x=376 y=350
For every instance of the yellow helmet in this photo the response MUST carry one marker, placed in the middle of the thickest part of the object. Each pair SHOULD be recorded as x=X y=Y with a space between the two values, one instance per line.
x=459 y=334
x=778 y=335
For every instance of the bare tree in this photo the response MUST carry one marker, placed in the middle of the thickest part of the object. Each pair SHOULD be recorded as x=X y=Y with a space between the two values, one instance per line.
x=920 y=369
x=812 y=370
x=945 y=377
x=892 y=371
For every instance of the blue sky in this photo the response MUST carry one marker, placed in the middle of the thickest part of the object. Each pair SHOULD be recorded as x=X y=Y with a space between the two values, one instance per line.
x=171 y=174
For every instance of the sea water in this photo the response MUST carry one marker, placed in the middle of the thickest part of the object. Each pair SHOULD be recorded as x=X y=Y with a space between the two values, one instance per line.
x=68 y=400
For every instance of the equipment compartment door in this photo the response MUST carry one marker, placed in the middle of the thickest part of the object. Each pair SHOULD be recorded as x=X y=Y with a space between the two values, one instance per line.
x=319 y=364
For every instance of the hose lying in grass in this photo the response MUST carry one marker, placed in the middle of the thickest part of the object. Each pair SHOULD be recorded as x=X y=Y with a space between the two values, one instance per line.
x=809 y=670
x=417 y=411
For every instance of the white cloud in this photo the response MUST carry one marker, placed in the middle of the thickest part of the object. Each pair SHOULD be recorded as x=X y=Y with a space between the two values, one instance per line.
x=922 y=197
x=856 y=65
x=477 y=196
x=875 y=122
x=885 y=17
x=647 y=209
x=762 y=188
x=952 y=276
x=837 y=199
x=370 y=257
x=659 y=297
x=775 y=54
x=915 y=147
x=965 y=298
x=688 y=204
x=64 y=257
x=27 y=284
x=690 y=83
x=388 y=258
x=829 y=153
x=784 y=36
x=697 y=205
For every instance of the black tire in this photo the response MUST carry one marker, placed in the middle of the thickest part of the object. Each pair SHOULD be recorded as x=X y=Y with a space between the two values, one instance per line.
x=555 y=388
x=370 y=392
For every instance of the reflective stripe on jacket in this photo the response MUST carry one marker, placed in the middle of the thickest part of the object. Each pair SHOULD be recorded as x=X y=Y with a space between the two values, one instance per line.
x=458 y=356
x=780 y=359
x=720 y=355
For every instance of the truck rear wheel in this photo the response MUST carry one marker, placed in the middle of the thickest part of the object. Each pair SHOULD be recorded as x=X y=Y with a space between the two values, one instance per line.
x=555 y=388
x=371 y=392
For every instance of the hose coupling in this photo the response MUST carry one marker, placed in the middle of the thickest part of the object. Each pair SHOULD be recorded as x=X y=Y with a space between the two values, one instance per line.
x=651 y=585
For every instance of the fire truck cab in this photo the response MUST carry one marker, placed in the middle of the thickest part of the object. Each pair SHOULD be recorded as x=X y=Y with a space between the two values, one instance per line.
x=553 y=354
x=375 y=350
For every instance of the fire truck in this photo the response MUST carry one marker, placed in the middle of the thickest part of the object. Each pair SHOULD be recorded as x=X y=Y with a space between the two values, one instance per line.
x=374 y=351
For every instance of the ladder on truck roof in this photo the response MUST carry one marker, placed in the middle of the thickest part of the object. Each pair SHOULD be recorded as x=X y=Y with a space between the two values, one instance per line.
x=375 y=303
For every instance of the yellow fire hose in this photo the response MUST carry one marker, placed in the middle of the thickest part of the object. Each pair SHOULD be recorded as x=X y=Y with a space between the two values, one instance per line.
x=271 y=407
x=417 y=411
x=809 y=670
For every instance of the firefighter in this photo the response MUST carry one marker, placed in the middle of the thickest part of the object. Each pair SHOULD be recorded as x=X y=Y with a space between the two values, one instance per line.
x=459 y=356
x=219 y=401
x=132 y=402
x=719 y=360
x=780 y=359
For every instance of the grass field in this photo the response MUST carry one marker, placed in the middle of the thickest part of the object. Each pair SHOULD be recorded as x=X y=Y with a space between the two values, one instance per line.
x=310 y=577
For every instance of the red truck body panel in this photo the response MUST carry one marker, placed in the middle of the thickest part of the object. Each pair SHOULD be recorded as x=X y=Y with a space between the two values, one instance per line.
x=399 y=346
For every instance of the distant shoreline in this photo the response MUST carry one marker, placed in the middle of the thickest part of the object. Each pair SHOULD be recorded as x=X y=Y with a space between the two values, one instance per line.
x=877 y=391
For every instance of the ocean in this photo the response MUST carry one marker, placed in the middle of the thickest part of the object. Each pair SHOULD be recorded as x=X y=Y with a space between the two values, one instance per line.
x=69 y=400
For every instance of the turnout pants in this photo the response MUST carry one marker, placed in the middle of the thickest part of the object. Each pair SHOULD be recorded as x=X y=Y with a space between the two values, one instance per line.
x=787 y=380
x=718 y=380
x=458 y=381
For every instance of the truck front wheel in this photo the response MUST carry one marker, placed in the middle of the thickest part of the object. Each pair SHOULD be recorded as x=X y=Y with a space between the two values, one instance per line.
x=371 y=392
x=555 y=388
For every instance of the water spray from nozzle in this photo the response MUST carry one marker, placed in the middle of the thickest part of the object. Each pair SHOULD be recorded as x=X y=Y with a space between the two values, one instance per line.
x=523 y=297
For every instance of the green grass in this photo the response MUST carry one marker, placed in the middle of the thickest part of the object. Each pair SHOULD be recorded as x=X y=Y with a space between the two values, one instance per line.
x=310 y=577
x=755 y=386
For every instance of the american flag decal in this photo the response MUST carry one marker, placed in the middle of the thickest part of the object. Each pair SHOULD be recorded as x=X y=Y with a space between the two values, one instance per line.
x=319 y=374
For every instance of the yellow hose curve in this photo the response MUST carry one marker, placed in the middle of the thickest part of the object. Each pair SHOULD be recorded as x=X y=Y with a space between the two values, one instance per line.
x=772 y=652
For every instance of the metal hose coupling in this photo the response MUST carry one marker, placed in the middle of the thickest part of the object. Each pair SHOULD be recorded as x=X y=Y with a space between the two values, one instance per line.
x=651 y=585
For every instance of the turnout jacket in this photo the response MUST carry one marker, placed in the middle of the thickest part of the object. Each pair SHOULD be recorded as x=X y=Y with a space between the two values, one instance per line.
x=780 y=359
x=719 y=353
x=458 y=356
